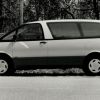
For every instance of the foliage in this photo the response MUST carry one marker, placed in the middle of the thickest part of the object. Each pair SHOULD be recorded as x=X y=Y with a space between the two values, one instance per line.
x=10 y=15
x=46 y=9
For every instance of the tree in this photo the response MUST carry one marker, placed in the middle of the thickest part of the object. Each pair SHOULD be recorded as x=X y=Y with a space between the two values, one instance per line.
x=46 y=9
x=9 y=15
x=85 y=9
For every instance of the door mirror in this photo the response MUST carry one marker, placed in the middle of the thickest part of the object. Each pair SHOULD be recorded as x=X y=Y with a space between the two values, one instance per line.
x=14 y=37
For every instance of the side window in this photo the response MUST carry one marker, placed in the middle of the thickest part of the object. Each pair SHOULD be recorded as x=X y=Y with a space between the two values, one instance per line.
x=30 y=32
x=64 y=30
x=91 y=29
x=9 y=36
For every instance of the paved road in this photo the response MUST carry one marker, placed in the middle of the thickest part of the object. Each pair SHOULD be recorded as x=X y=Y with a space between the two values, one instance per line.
x=50 y=88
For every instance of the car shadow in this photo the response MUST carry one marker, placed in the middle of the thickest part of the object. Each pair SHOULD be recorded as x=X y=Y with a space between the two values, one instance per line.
x=50 y=72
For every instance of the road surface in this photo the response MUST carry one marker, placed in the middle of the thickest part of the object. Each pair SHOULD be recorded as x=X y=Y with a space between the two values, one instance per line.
x=50 y=88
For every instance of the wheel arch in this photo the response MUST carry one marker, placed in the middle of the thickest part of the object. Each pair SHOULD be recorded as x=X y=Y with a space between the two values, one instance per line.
x=8 y=57
x=92 y=54
x=86 y=63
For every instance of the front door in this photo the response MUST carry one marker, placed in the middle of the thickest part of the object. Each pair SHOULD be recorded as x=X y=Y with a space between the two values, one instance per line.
x=29 y=48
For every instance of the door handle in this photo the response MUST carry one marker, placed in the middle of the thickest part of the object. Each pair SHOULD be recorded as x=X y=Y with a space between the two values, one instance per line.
x=43 y=42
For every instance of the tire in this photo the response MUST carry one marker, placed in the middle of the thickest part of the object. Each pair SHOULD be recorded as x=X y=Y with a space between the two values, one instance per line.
x=92 y=65
x=6 y=66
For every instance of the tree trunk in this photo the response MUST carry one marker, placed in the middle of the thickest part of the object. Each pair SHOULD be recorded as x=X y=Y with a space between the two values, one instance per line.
x=95 y=4
x=1 y=18
x=21 y=11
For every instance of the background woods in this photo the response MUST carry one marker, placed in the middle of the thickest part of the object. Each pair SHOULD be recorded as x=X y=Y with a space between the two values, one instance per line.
x=11 y=16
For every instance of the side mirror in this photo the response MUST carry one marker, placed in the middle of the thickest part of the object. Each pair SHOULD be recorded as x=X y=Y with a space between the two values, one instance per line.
x=14 y=37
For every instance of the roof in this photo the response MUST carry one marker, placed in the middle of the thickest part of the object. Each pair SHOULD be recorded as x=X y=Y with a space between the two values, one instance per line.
x=66 y=20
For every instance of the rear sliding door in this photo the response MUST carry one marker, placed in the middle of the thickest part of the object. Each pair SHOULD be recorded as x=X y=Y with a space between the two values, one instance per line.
x=67 y=45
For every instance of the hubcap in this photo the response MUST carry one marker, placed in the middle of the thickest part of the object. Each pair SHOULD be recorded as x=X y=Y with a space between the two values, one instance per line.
x=3 y=66
x=94 y=65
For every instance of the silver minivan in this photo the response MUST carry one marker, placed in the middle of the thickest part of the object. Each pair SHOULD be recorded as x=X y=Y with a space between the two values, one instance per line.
x=52 y=43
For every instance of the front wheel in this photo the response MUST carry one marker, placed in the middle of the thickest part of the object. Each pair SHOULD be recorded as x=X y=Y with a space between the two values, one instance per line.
x=6 y=67
x=92 y=66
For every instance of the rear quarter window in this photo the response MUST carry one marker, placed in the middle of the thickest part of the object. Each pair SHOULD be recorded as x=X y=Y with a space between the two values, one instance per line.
x=91 y=29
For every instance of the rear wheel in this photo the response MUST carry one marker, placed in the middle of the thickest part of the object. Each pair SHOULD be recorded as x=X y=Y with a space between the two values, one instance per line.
x=6 y=66
x=92 y=65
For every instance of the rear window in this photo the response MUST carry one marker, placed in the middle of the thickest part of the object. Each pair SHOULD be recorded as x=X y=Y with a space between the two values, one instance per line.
x=64 y=30
x=90 y=29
